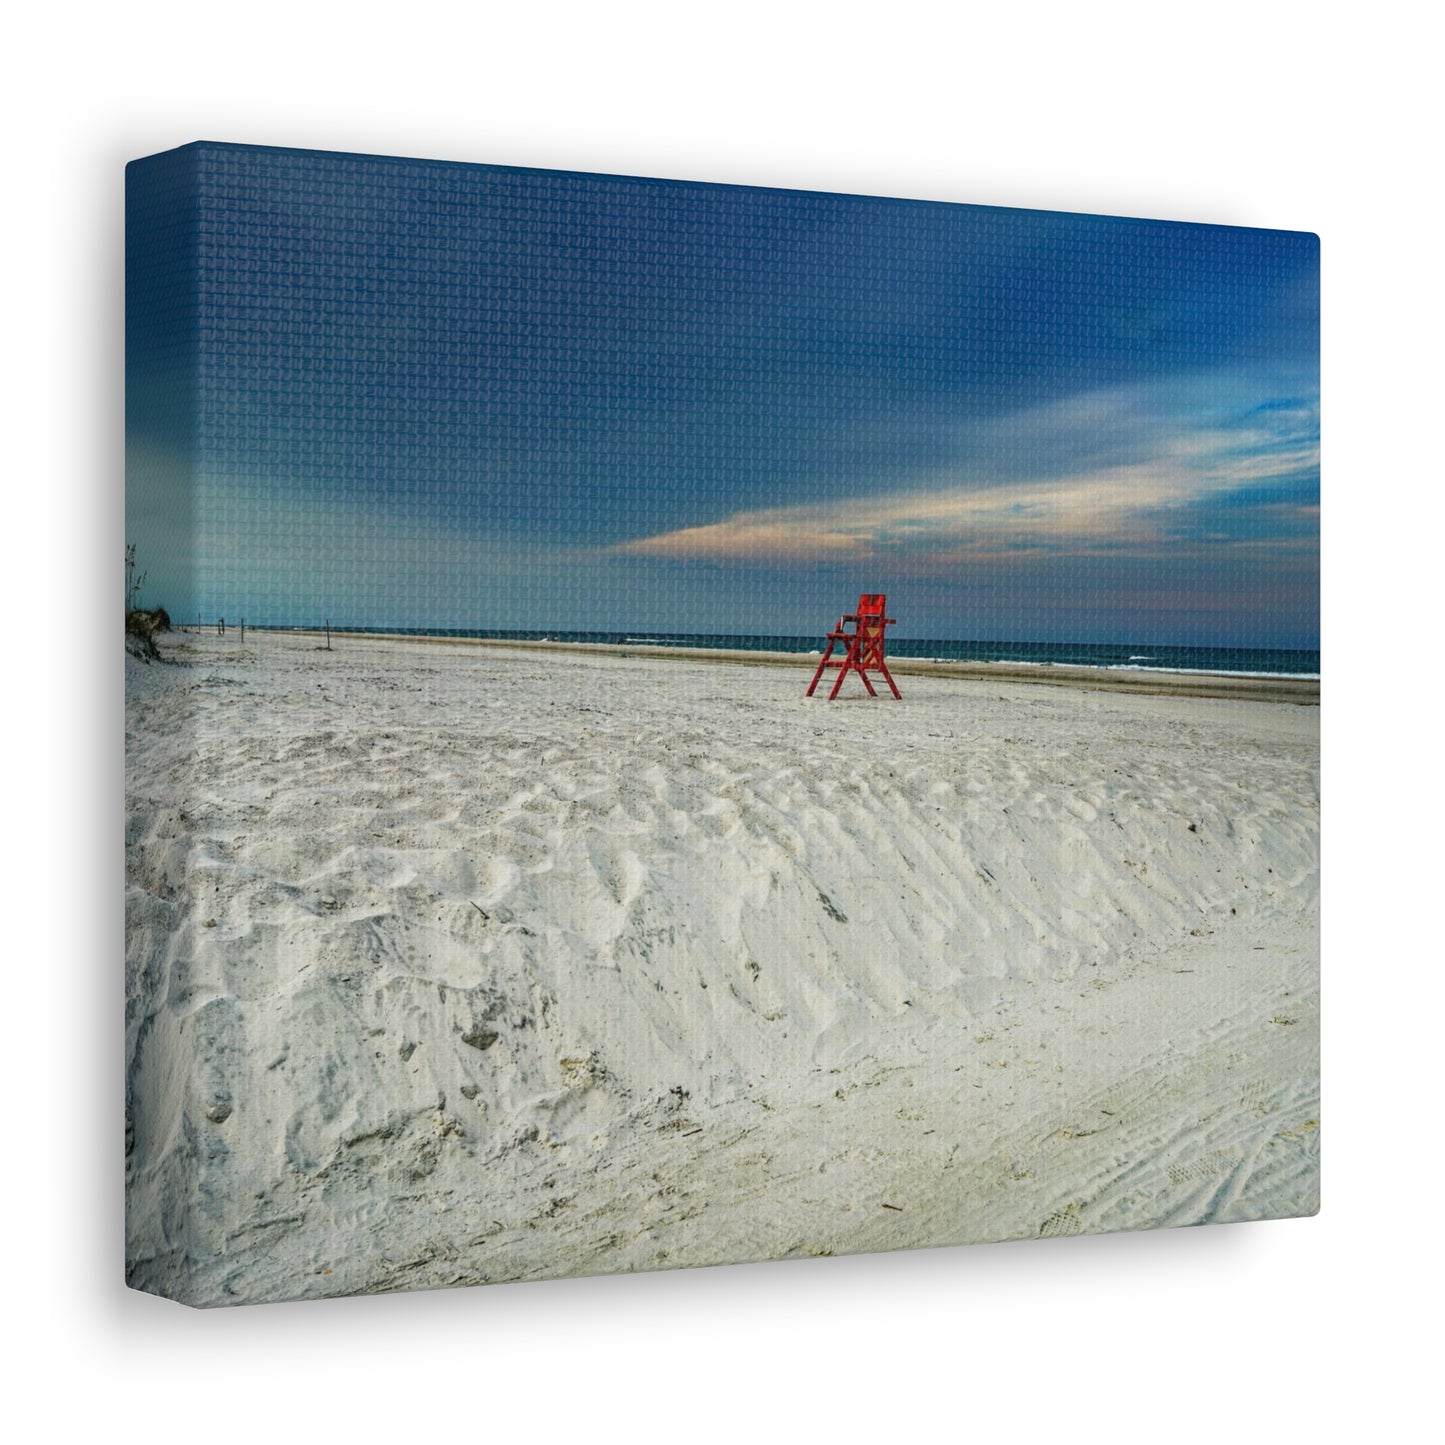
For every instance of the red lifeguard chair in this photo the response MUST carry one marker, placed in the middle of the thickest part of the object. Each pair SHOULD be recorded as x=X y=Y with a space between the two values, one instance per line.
x=863 y=646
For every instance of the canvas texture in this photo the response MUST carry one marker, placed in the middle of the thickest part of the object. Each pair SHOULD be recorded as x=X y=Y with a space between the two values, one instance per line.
x=674 y=724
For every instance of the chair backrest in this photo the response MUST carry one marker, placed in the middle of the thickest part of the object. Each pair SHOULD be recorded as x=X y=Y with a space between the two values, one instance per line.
x=873 y=622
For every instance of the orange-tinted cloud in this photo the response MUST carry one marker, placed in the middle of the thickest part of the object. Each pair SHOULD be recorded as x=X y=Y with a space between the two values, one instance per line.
x=1101 y=511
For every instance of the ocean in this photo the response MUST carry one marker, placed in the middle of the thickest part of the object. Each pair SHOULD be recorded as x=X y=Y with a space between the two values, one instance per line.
x=1146 y=657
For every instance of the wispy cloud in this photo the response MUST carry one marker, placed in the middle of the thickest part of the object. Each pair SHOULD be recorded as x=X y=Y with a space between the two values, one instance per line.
x=1178 y=471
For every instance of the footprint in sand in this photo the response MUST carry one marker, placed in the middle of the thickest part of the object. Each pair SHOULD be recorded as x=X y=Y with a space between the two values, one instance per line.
x=622 y=874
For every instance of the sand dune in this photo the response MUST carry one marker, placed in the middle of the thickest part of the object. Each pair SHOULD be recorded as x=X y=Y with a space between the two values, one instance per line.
x=463 y=964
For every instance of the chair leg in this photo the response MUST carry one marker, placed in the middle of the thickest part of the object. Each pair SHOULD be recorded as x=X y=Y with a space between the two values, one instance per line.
x=827 y=653
x=854 y=663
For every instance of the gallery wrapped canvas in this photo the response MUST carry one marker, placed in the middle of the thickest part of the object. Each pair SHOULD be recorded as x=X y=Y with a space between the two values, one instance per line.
x=671 y=724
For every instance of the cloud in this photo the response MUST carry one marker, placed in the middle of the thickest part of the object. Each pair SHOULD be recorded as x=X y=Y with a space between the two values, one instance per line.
x=1134 y=507
x=1180 y=471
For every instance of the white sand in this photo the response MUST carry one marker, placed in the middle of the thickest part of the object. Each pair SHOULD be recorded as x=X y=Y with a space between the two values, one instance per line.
x=454 y=964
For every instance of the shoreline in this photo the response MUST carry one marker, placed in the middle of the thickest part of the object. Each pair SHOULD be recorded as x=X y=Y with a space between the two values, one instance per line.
x=1297 y=691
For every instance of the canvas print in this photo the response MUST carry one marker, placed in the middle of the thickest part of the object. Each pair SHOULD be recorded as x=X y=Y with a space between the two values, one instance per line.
x=670 y=724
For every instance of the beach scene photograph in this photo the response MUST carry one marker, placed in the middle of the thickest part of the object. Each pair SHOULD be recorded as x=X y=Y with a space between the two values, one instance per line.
x=673 y=724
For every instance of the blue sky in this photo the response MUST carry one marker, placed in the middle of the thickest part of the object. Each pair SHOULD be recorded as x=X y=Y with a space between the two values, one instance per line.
x=408 y=393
